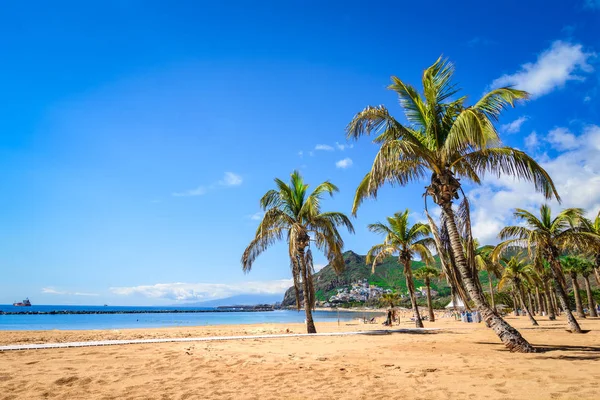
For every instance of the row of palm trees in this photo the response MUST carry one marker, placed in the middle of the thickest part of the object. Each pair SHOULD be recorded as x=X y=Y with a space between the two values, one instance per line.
x=445 y=141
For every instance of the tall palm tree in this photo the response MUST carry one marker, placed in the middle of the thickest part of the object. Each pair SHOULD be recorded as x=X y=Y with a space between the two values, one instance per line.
x=586 y=270
x=518 y=272
x=293 y=214
x=484 y=262
x=545 y=239
x=449 y=140
x=573 y=266
x=405 y=240
x=427 y=273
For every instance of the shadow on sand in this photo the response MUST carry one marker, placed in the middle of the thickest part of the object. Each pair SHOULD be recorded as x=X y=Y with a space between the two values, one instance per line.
x=579 y=353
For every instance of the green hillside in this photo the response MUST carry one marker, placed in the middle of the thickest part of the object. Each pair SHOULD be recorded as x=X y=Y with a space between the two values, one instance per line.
x=388 y=275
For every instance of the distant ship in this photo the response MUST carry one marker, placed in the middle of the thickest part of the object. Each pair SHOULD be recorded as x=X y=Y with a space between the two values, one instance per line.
x=24 y=303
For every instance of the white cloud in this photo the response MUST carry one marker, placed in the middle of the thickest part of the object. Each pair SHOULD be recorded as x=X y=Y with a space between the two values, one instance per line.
x=49 y=290
x=515 y=126
x=587 y=99
x=343 y=147
x=231 y=179
x=553 y=68
x=180 y=291
x=300 y=153
x=324 y=147
x=562 y=139
x=345 y=163
x=575 y=172
x=531 y=141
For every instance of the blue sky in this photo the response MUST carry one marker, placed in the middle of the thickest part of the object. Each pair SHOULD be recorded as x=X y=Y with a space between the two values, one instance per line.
x=137 y=137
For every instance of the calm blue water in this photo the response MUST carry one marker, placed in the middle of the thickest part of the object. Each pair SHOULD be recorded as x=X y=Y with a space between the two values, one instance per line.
x=122 y=321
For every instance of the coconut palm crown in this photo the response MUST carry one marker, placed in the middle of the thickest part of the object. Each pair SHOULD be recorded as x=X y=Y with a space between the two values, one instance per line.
x=291 y=212
x=450 y=140
x=404 y=240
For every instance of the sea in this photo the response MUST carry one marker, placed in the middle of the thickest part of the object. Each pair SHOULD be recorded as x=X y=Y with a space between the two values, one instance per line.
x=148 y=319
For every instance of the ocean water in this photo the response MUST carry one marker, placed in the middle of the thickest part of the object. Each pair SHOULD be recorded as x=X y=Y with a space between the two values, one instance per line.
x=149 y=320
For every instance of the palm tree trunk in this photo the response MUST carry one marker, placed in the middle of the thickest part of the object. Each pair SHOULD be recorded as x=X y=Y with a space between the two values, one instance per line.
x=527 y=309
x=590 y=296
x=554 y=301
x=410 y=285
x=538 y=299
x=429 y=304
x=310 y=324
x=562 y=296
x=577 y=295
x=516 y=304
x=531 y=303
x=511 y=338
x=548 y=298
x=491 y=292
x=597 y=269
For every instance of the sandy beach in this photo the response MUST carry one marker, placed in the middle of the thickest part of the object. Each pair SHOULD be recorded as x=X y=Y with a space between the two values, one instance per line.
x=461 y=361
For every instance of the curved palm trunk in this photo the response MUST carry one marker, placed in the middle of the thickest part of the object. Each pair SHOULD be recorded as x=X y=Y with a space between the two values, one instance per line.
x=429 y=304
x=310 y=324
x=577 y=295
x=531 y=303
x=511 y=338
x=410 y=285
x=491 y=292
x=515 y=304
x=548 y=298
x=597 y=269
x=590 y=296
x=562 y=296
x=519 y=291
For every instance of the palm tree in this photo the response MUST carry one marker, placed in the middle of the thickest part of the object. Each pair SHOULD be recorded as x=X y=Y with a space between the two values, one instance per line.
x=406 y=241
x=292 y=213
x=426 y=274
x=484 y=262
x=517 y=272
x=586 y=270
x=450 y=140
x=545 y=238
x=594 y=227
x=573 y=266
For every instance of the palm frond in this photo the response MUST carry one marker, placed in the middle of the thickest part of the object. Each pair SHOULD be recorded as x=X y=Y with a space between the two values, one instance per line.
x=497 y=100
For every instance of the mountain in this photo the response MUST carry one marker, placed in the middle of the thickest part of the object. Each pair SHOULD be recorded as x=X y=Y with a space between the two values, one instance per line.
x=239 y=300
x=388 y=275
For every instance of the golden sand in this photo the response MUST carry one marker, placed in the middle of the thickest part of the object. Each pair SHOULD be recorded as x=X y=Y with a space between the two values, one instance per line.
x=464 y=361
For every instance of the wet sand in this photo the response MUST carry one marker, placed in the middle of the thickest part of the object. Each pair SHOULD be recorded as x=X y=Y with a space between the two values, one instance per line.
x=461 y=361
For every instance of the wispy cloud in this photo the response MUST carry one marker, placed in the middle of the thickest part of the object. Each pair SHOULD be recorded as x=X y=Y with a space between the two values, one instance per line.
x=180 y=291
x=345 y=163
x=50 y=290
x=562 y=139
x=229 y=180
x=587 y=99
x=324 y=147
x=592 y=4
x=342 y=146
x=561 y=63
x=531 y=141
x=515 y=126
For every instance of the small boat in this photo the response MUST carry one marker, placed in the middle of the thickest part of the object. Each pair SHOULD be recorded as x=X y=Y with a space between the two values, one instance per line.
x=24 y=303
